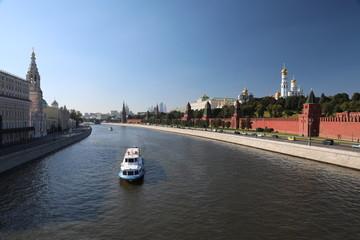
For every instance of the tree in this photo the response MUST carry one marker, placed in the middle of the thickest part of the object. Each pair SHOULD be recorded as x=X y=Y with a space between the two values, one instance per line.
x=248 y=110
x=243 y=124
x=340 y=98
x=355 y=106
x=323 y=99
x=248 y=123
x=278 y=110
x=355 y=97
x=260 y=110
x=327 y=109
x=198 y=113
x=76 y=115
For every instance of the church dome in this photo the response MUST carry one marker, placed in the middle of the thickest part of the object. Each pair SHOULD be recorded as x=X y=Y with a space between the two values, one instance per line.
x=44 y=103
x=284 y=71
x=293 y=81
x=245 y=91
x=55 y=104
x=277 y=95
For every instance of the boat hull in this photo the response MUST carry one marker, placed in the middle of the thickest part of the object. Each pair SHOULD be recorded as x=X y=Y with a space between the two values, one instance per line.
x=132 y=177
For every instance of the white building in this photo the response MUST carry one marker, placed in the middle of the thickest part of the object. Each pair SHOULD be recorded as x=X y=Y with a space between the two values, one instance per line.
x=14 y=108
x=294 y=90
x=21 y=106
x=215 y=102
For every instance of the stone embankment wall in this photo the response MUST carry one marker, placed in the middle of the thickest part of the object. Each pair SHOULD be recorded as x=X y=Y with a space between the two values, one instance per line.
x=17 y=158
x=348 y=159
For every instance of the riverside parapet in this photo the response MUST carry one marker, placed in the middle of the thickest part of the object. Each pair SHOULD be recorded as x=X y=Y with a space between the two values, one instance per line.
x=343 y=158
x=17 y=158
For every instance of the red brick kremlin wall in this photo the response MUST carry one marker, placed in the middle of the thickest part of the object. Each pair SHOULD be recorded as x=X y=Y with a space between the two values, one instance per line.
x=284 y=125
x=134 y=120
x=340 y=128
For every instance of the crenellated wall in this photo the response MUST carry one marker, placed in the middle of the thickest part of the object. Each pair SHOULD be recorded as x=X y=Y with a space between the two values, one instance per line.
x=340 y=128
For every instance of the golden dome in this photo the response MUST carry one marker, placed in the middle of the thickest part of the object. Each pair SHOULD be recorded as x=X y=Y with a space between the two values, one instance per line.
x=293 y=81
x=245 y=91
x=284 y=71
x=277 y=95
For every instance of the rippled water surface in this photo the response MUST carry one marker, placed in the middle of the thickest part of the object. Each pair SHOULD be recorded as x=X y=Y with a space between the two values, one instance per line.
x=193 y=189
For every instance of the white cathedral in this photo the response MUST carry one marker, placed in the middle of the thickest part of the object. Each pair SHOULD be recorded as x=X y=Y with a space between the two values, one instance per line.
x=294 y=89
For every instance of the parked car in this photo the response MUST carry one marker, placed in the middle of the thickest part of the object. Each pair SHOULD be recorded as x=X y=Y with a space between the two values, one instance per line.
x=356 y=146
x=235 y=132
x=261 y=135
x=328 y=142
x=275 y=136
x=220 y=131
x=254 y=134
x=292 y=138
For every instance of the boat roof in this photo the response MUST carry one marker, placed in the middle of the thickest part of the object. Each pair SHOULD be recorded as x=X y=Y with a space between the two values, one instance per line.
x=132 y=152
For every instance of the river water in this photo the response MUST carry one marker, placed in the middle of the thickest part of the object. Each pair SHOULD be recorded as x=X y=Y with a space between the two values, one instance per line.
x=193 y=189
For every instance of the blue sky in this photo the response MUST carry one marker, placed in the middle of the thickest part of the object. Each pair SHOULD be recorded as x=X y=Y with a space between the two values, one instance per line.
x=92 y=55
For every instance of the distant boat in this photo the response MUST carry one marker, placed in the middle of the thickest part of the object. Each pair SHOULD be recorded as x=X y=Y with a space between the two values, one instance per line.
x=110 y=128
x=132 y=166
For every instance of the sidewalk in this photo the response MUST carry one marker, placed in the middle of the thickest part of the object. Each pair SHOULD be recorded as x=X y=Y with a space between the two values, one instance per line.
x=11 y=148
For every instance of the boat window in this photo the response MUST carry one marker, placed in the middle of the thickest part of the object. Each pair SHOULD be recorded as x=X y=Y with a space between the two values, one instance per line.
x=131 y=160
x=124 y=172
x=136 y=172
x=135 y=159
x=130 y=173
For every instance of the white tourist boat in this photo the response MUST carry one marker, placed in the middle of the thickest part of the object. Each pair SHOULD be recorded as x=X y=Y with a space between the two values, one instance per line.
x=110 y=128
x=132 y=166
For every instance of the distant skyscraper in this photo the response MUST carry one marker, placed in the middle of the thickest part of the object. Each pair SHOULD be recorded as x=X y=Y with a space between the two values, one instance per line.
x=114 y=113
x=161 y=107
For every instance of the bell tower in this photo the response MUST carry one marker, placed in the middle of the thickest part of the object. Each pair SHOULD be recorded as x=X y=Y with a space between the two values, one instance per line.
x=33 y=77
x=284 y=82
x=37 y=116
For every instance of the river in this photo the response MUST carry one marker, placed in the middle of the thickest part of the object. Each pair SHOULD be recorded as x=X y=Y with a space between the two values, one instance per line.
x=193 y=189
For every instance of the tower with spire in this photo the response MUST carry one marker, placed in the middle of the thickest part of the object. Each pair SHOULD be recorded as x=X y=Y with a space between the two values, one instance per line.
x=309 y=120
x=37 y=117
x=188 y=113
x=123 y=114
x=235 y=119
x=284 y=82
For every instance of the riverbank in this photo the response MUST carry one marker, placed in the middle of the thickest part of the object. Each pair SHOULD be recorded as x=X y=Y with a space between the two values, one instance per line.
x=343 y=158
x=49 y=144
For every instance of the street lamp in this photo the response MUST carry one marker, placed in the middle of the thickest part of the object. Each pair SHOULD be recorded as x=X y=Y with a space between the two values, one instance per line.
x=255 y=125
x=310 y=122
